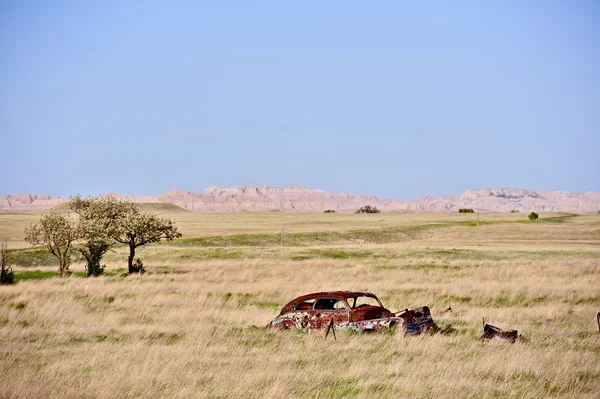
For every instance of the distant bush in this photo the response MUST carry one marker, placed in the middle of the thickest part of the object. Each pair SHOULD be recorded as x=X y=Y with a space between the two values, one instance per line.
x=138 y=267
x=465 y=210
x=514 y=211
x=328 y=211
x=533 y=216
x=368 y=209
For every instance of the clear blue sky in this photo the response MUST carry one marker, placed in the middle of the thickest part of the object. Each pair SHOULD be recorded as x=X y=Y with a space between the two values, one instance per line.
x=390 y=98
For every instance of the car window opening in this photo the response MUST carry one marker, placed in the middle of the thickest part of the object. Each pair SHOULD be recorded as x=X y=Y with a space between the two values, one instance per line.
x=359 y=301
x=330 y=304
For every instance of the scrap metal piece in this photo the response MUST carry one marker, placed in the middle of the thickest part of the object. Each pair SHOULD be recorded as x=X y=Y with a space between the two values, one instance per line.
x=418 y=320
x=491 y=332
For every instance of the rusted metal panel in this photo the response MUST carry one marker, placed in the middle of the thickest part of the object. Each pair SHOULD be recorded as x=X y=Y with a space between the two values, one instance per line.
x=491 y=332
x=418 y=320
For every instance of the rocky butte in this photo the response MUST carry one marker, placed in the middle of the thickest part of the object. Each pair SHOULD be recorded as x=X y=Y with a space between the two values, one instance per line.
x=292 y=198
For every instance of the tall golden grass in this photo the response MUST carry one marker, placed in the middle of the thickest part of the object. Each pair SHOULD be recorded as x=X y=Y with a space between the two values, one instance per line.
x=195 y=328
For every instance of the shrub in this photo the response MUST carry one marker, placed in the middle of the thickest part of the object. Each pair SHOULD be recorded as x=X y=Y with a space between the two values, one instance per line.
x=533 y=216
x=95 y=269
x=465 y=210
x=6 y=274
x=368 y=209
x=514 y=211
x=138 y=267
x=328 y=211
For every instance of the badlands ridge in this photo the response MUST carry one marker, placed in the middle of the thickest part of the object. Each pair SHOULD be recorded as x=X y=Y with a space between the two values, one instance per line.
x=269 y=198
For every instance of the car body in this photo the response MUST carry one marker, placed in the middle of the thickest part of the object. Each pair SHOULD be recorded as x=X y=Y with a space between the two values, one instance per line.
x=354 y=310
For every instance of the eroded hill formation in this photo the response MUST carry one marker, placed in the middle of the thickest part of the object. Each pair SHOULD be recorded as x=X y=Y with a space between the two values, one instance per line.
x=266 y=198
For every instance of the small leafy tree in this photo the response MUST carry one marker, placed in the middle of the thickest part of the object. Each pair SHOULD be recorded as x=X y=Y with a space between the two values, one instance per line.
x=138 y=229
x=6 y=274
x=58 y=232
x=533 y=216
x=99 y=223
x=367 y=209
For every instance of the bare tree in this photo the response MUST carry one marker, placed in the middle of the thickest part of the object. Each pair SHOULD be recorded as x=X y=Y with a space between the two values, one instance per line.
x=58 y=232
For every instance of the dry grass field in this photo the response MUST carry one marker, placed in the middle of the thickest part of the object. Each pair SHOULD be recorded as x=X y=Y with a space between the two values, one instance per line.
x=193 y=326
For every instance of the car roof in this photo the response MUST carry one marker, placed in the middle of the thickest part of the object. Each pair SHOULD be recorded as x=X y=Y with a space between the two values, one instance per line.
x=332 y=294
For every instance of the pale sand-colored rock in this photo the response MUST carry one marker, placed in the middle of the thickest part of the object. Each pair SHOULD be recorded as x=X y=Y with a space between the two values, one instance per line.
x=23 y=202
x=293 y=198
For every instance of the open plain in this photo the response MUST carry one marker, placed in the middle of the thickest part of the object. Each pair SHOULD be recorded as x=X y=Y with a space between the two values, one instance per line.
x=193 y=325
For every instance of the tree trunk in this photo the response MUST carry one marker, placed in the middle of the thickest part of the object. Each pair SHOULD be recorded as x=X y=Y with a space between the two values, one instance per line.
x=63 y=268
x=88 y=259
x=130 y=259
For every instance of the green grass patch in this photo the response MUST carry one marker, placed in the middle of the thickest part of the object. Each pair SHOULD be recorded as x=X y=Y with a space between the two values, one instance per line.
x=194 y=254
x=36 y=256
x=236 y=240
x=383 y=235
x=587 y=300
x=553 y=219
x=18 y=305
x=341 y=254
x=120 y=272
x=431 y=258
x=165 y=338
x=226 y=297
x=429 y=267
x=482 y=223
x=585 y=334
x=34 y=275
x=527 y=376
x=557 y=219
x=109 y=336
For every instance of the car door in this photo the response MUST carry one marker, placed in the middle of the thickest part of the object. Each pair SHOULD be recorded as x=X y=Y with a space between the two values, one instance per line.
x=325 y=309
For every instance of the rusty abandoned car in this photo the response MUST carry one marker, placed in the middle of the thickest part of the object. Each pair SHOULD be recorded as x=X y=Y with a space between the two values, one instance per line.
x=354 y=310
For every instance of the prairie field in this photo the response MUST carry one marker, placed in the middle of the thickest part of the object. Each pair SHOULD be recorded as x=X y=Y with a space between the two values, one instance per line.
x=193 y=325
